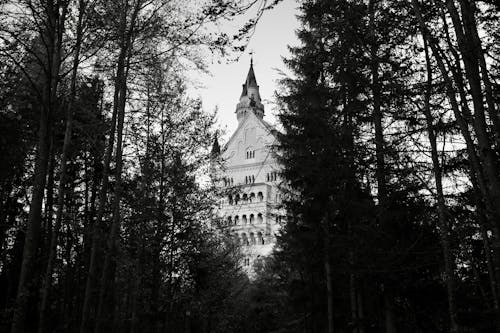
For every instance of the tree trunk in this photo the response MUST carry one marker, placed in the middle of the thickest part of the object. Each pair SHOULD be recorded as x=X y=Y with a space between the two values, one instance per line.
x=47 y=280
x=96 y=234
x=121 y=86
x=55 y=25
x=328 y=275
x=444 y=231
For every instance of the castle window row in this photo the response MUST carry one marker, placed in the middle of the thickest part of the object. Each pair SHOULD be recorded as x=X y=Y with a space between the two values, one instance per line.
x=250 y=154
x=251 y=219
x=271 y=176
x=228 y=181
x=249 y=179
x=245 y=197
x=250 y=239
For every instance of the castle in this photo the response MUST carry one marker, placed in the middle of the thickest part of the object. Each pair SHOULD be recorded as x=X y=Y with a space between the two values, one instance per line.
x=250 y=173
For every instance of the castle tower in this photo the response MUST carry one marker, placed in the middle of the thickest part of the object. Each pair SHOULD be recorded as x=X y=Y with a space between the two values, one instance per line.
x=250 y=97
x=250 y=211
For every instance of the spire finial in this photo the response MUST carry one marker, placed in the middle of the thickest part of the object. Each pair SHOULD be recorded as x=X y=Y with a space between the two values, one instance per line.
x=251 y=57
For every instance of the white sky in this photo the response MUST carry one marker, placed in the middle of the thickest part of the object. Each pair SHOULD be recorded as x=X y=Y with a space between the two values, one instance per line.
x=222 y=89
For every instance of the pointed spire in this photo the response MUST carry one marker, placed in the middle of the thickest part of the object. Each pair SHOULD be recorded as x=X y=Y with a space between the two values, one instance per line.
x=251 y=80
x=250 y=97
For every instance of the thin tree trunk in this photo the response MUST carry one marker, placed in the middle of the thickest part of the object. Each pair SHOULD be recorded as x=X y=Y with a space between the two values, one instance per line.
x=55 y=24
x=489 y=261
x=486 y=153
x=96 y=233
x=49 y=201
x=361 y=315
x=354 y=300
x=328 y=275
x=390 y=322
x=441 y=205
x=47 y=280
x=380 y=171
x=468 y=10
x=121 y=86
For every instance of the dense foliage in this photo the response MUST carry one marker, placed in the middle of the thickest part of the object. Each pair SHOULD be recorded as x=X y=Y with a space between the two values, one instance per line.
x=390 y=155
x=390 y=159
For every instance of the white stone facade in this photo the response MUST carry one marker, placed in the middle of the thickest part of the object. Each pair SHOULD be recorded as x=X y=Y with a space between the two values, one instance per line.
x=248 y=170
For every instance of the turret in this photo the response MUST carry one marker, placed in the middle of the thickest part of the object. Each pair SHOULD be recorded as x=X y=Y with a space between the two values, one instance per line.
x=250 y=97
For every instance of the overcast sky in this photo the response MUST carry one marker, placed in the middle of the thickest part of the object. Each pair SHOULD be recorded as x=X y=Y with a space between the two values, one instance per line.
x=274 y=32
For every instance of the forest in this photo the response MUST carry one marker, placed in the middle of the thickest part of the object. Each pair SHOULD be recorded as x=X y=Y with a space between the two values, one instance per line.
x=389 y=144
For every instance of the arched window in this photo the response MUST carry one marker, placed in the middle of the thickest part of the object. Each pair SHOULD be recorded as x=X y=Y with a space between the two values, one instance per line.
x=244 y=219
x=259 y=218
x=252 y=219
x=260 y=196
x=252 y=197
x=236 y=220
x=230 y=199
x=244 y=239
x=252 y=238
x=253 y=179
x=245 y=197
x=236 y=199
x=260 y=239
x=229 y=220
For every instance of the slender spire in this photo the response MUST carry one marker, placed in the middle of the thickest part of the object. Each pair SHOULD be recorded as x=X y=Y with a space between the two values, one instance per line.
x=250 y=97
x=251 y=80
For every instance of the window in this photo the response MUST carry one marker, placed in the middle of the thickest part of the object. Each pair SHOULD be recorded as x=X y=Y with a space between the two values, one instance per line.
x=252 y=219
x=244 y=219
x=252 y=238
x=259 y=218
x=236 y=220
x=228 y=181
x=272 y=176
x=246 y=262
x=252 y=196
x=245 y=197
x=230 y=199
x=244 y=239
x=250 y=154
x=236 y=199
x=260 y=196
x=249 y=179
x=229 y=221
x=260 y=238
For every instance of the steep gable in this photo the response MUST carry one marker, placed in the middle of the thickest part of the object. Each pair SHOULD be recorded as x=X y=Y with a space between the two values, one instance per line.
x=254 y=136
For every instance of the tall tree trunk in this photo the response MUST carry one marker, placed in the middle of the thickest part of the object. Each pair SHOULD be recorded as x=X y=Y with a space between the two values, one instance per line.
x=49 y=201
x=444 y=231
x=380 y=169
x=121 y=86
x=55 y=25
x=471 y=64
x=468 y=10
x=328 y=274
x=96 y=232
x=47 y=280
